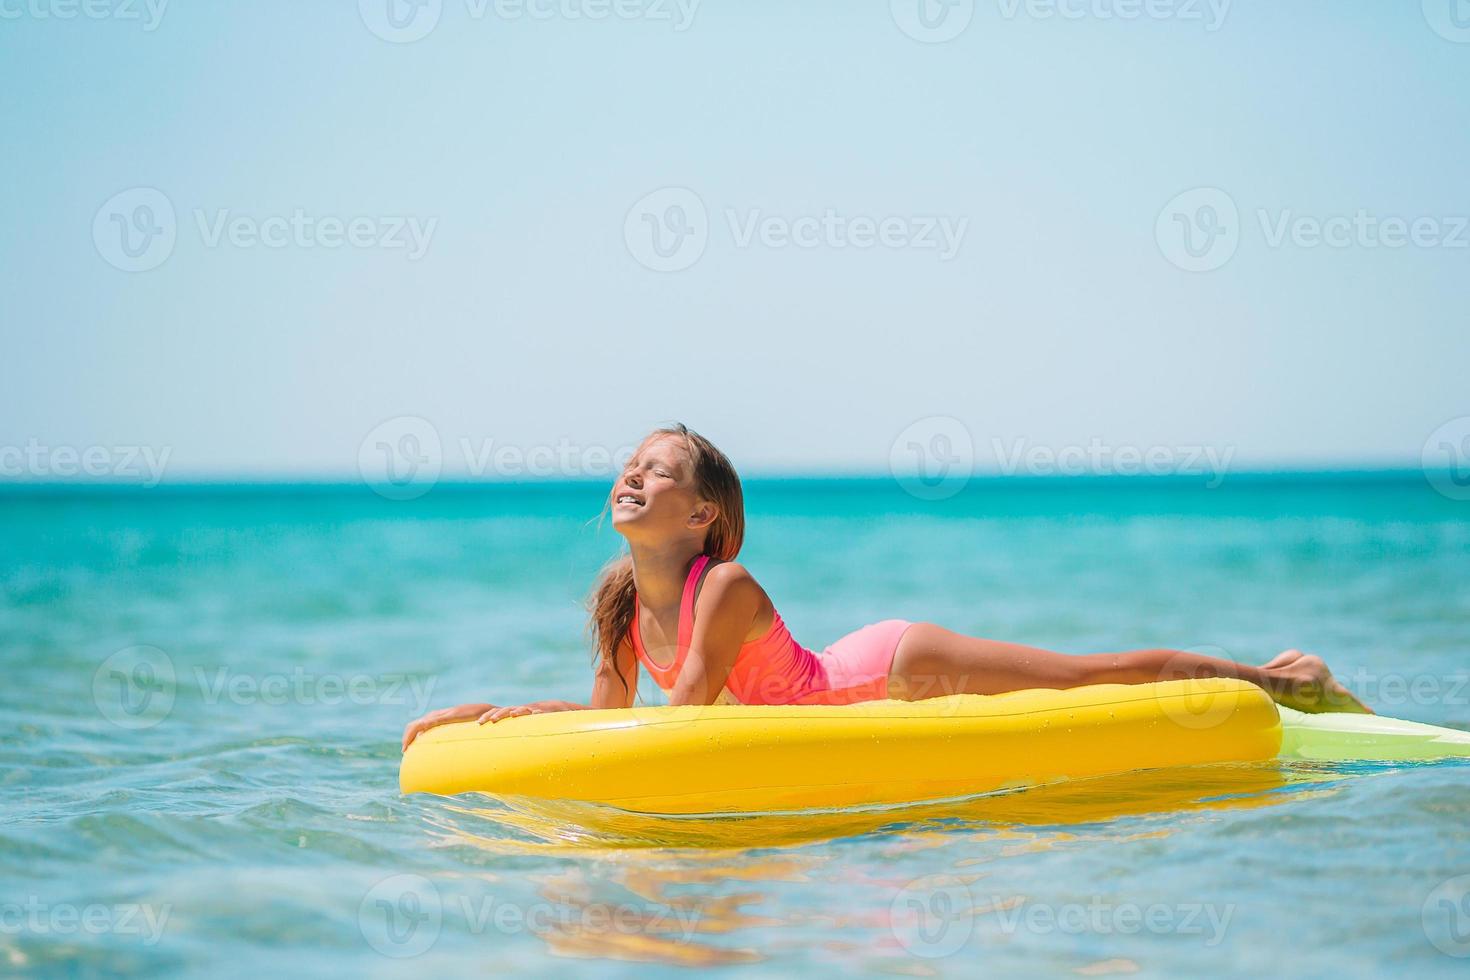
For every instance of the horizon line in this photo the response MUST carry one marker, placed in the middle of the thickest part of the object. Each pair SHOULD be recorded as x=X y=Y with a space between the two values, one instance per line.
x=341 y=482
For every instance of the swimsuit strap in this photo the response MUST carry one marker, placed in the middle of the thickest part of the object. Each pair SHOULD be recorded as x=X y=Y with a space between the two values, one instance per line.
x=686 y=610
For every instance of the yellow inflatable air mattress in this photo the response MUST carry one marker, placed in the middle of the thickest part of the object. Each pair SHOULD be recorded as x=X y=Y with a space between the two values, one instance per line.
x=755 y=759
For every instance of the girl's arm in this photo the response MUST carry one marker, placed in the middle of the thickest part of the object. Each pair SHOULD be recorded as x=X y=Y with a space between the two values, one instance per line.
x=727 y=607
x=615 y=684
x=607 y=692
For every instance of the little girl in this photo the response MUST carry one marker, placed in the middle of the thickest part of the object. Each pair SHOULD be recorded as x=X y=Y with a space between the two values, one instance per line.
x=681 y=608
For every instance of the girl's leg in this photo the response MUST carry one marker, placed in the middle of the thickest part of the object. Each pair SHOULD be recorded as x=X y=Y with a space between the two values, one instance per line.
x=932 y=661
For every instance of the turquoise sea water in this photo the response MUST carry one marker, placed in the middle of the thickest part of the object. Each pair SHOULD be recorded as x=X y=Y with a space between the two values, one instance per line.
x=205 y=690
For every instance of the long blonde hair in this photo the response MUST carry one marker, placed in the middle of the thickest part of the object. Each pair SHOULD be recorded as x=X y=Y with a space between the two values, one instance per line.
x=610 y=606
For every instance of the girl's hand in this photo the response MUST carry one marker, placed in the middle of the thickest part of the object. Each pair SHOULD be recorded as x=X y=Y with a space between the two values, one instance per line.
x=1302 y=681
x=444 y=716
x=516 y=710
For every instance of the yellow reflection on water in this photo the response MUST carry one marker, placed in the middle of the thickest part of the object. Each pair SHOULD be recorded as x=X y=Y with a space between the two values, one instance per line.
x=658 y=927
x=671 y=871
x=644 y=948
x=562 y=824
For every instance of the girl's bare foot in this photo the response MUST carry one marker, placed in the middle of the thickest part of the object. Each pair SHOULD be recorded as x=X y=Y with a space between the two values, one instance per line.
x=1302 y=681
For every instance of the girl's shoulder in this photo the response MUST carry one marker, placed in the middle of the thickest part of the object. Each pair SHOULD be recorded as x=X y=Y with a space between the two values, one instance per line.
x=730 y=580
x=729 y=585
x=728 y=574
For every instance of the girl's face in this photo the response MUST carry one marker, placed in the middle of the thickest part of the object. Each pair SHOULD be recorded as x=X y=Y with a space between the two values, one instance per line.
x=654 y=499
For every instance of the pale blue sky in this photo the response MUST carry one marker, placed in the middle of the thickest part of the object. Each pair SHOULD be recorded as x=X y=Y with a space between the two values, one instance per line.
x=528 y=320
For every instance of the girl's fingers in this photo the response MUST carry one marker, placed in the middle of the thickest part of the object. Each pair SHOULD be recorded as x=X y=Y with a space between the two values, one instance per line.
x=499 y=714
x=434 y=719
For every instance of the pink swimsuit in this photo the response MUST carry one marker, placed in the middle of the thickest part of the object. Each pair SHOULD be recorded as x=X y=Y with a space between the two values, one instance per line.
x=775 y=669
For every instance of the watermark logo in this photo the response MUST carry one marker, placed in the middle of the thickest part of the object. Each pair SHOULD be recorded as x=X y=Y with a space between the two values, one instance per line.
x=135 y=687
x=933 y=916
x=401 y=459
x=401 y=916
x=148 y=12
x=934 y=458
x=667 y=230
x=932 y=21
x=1450 y=19
x=1200 y=706
x=1199 y=230
x=1446 y=458
x=135 y=229
x=400 y=21
x=1446 y=916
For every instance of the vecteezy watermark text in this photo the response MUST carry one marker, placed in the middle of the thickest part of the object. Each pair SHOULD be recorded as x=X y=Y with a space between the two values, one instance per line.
x=403 y=915
x=926 y=232
x=1363 y=229
x=1201 y=229
x=669 y=229
x=404 y=457
x=1103 y=917
x=936 y=915
x=149 y=13
x=303 y=230
x=1100 y=459
x=934 y=458
x=937 y=21
x=1398 y=689
x=136 y=687
x=302 y=687
x=144 y=464
x=137 y=229
x=1210 y=13
x=41 y=918
x=407 y=21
